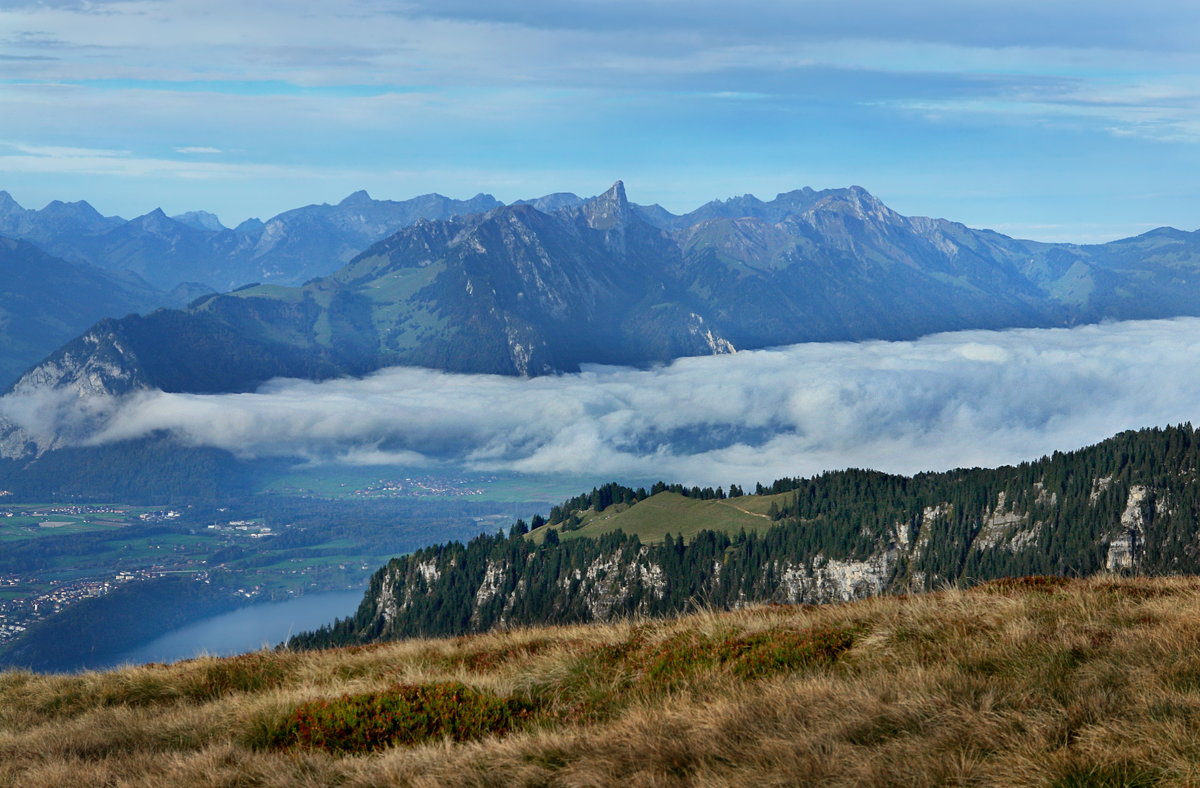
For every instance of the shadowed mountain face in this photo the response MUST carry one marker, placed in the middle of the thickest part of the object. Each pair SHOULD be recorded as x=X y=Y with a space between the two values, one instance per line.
x=45 y=301
x=522 y=291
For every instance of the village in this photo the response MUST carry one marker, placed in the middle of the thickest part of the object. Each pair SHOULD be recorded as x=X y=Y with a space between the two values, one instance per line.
x=420 y=487
x=17 y=614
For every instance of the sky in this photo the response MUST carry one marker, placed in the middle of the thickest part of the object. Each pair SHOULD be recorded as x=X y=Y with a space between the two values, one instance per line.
x=1045 y=119
x=963 y=399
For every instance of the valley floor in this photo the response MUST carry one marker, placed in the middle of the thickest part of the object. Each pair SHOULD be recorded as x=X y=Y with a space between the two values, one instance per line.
x=1037 y=681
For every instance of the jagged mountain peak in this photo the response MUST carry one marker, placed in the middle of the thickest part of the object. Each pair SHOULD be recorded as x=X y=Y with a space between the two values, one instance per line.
x=200 y=220
x=744 y=199
x=614 y=196
x=79 y=208
x=359 y=197
x=795 y=194
x=253 y=225
x=156 y=220
x=556 y=201
x=857 y=202
x=608 y=210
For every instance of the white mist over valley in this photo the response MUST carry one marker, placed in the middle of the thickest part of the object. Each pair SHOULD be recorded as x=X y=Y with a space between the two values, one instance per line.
x=948 y=400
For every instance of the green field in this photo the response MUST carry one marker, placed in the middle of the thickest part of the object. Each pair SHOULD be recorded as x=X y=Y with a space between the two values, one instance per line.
x=344 y=481
x=21 y=527
x=672 y=513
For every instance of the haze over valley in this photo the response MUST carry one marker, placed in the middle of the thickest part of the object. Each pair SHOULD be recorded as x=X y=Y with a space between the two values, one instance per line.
x=971 y=398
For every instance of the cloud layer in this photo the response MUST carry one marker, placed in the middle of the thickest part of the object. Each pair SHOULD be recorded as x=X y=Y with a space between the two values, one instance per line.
x=949 y=400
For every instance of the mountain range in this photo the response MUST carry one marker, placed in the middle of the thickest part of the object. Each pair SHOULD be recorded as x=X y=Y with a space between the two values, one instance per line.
x=544 y=286
x=166 y=251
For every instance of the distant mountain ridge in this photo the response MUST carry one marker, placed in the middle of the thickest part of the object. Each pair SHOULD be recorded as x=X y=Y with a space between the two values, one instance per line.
x=195 y=247
x=521 y=291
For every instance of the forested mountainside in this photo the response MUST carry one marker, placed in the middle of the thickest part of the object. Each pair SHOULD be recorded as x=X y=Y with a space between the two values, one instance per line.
x=1129 y=504
x=520 y=291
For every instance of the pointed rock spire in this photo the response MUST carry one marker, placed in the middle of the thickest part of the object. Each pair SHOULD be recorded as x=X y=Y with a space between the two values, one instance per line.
x=607 y=210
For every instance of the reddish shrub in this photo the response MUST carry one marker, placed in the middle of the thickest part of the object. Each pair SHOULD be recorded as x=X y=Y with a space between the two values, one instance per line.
x=749 y=656
x=404 y=714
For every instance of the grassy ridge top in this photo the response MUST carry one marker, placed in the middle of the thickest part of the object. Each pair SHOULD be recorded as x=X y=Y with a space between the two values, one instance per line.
x=1018 y=682
x=672 y=513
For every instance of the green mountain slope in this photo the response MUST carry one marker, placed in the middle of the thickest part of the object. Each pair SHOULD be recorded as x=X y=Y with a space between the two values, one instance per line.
x=667 y=512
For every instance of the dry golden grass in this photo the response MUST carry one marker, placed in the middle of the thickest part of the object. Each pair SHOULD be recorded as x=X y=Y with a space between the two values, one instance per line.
x=1084 y=683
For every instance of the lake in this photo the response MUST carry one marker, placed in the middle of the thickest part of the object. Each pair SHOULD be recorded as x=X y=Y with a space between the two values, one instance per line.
x=246 y=629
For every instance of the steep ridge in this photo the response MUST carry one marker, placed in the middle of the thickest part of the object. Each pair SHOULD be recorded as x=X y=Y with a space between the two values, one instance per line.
x=1129 y=504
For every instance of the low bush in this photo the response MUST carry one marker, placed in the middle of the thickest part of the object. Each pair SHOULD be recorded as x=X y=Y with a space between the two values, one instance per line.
x=403 y=714
x=746 y=656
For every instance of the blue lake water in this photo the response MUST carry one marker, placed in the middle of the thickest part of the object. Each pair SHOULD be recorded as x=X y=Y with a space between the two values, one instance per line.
x=246 y=629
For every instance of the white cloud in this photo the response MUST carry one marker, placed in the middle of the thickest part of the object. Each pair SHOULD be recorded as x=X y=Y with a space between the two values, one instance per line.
x=60 y=152
x=960 y=399
x=23 y=158
x=198 y=149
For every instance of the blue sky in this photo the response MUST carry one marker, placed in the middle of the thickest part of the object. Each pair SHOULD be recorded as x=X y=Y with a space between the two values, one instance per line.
x=1051 y=120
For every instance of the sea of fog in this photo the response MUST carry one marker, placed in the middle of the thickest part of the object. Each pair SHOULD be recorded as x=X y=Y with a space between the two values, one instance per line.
x=957 y=399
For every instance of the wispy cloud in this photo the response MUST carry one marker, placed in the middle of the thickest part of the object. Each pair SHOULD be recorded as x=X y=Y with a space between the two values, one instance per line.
x=1157 y=108
x=49 y=160
x=961 y=399
x=198 y=149
x=56 y=152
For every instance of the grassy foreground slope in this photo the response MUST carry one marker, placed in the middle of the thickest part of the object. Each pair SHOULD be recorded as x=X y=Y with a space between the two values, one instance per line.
x=1042 y=681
